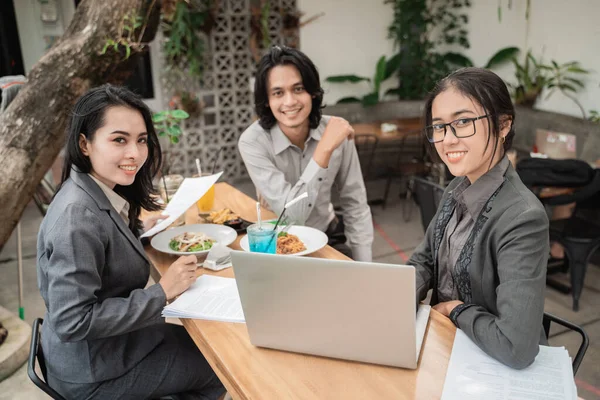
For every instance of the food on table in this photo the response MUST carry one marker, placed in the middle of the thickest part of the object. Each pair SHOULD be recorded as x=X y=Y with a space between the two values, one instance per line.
x=289 y=244
x=222 y=216
x=191 y=242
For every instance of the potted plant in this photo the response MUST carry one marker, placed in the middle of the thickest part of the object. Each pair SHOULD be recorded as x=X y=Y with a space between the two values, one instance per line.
x=533 y=77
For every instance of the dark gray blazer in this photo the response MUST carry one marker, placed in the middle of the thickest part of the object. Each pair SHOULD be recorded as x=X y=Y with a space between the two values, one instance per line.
x=92 y=272
x=506 y=257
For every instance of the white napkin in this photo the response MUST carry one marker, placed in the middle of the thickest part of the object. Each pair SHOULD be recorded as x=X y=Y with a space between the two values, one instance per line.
x=218 y=251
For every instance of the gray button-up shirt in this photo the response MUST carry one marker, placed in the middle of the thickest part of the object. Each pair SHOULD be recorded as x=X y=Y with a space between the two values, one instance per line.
x=281 y=171
x=470 y=200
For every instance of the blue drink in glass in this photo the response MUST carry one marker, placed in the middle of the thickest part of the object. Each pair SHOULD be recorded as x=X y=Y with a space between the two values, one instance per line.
x=262 y=240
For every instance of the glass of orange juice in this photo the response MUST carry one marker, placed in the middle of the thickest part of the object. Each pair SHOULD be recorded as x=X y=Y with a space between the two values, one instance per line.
x=206 y=202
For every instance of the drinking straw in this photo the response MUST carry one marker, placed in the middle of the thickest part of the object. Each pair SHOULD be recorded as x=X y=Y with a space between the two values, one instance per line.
x=285 y=207
x=215 y=160
x=198 y=167
x=258 y=214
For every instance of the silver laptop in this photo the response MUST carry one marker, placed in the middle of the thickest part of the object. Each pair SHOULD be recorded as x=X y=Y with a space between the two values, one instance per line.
x=342 y=309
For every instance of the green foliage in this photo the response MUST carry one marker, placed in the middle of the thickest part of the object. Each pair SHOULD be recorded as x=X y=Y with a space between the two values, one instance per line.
x=167 y=123
x=595 y=116
x=265 y=11
x=533 y=77
x=129 y=36
x=183 y=44
x=502 y=56
x=418 y=29
x=383 y=70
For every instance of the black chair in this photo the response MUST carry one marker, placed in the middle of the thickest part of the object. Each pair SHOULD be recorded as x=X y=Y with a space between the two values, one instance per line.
x=580 y=238
x=585 y=341
x=43 y=195
x=428 y=195
x=579 y=234
x=35 y=353
x=366 y=145
x=410 y=159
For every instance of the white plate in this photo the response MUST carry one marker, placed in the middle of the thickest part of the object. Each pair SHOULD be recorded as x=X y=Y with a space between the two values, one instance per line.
x=220 y=233
x=312 y=238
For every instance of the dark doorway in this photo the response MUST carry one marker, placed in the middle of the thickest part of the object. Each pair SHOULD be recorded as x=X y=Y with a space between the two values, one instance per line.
x=11 y=59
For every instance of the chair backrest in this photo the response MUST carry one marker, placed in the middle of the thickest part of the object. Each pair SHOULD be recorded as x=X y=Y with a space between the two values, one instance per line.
x=35 y=353
x=585 y=341
x=43 y=195
x=366 y=144
x=428 y=196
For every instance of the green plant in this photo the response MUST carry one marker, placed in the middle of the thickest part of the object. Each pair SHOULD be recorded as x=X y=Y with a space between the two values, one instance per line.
x=167 y=123
x=265 y=11
x=595 y=116
x=533 y=77
x=383 y=70
x=527 y=9
x=418 y=29
x=184 y=46
x=500 y=57
x=130 y=33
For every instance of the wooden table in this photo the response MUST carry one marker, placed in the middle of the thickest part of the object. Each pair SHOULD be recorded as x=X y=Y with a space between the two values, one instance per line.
x=407 y=126
x=250 y=372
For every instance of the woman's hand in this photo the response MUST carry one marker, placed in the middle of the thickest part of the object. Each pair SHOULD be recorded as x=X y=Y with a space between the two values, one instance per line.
x=179 y=277
x=446 y=307
x=152 y=220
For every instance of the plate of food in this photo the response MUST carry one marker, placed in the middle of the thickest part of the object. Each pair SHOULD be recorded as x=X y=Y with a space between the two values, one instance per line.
x=228 y=218
x=296 y=241
x=193 y=239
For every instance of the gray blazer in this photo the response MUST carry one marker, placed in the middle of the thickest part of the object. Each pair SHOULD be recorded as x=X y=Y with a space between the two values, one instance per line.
x=506 y=256
x=92 y=272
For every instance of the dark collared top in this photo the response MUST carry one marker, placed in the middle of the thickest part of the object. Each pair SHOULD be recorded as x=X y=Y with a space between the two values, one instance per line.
x=470 y=199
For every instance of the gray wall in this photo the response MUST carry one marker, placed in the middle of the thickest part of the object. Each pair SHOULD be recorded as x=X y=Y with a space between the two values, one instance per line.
x=587 y=132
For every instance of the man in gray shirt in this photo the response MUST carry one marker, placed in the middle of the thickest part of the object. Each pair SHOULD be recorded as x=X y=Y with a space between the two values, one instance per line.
x=293 y=149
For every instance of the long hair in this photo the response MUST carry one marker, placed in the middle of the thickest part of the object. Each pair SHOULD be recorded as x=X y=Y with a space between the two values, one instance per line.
x=486 y=88
x=282 y=55
x=87 y=117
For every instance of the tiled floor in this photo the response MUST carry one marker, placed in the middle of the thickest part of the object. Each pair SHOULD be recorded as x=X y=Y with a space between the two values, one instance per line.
x=394 y=242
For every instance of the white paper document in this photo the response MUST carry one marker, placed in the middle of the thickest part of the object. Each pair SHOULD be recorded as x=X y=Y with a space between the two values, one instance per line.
x=210 y=297
x=190 y=191
x=472 y=374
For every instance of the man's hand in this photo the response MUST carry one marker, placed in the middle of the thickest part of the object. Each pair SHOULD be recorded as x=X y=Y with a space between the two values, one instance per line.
x=179 y=277
x=446 y=307
x=336 y=132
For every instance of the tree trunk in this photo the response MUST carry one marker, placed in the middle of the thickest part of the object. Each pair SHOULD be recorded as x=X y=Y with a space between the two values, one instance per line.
x=32 y=128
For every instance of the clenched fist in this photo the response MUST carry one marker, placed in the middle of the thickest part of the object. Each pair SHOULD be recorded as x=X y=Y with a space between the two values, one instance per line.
x=336 y=132
x=179 y=277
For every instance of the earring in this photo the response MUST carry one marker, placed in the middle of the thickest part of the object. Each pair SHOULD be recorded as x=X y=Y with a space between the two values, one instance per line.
x=503 y=139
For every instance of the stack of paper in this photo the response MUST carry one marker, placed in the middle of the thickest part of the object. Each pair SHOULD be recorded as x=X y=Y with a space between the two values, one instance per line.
x=210 y=297
x=472 y=374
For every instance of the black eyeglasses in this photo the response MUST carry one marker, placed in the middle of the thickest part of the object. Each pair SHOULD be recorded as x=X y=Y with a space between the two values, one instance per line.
x=461 y=128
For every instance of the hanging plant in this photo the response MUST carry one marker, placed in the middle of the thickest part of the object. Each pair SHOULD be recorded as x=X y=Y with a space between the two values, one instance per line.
x=185 y=25
x=260 y=10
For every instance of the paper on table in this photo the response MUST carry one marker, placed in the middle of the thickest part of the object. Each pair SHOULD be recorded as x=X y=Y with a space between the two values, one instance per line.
x=472 y=374
x=190 y=191
x=210 y=297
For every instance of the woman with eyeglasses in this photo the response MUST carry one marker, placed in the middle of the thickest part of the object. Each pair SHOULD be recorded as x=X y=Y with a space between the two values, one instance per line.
x=485 y=251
